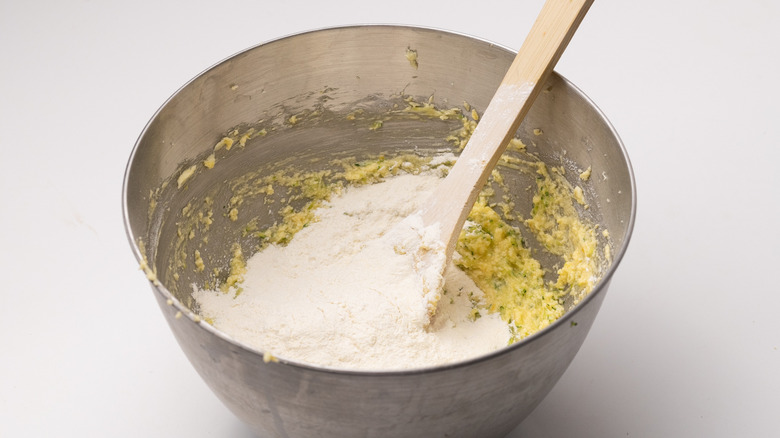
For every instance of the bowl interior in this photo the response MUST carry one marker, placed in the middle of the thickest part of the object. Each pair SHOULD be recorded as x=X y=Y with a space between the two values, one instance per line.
x=303 y=102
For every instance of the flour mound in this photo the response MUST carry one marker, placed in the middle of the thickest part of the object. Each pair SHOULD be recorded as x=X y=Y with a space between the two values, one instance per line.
x=356 y=289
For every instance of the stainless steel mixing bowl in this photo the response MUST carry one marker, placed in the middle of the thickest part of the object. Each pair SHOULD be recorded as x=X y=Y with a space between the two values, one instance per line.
x=318 y=77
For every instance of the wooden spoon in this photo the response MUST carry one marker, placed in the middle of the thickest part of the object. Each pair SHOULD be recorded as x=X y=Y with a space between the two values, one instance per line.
x=449 y=205
x=452 y=201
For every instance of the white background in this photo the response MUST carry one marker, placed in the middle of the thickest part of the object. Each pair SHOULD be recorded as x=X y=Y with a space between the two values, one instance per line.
x=687 y=341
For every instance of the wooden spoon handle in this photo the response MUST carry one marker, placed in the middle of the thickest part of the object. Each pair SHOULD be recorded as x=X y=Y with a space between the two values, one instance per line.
x=451 y=203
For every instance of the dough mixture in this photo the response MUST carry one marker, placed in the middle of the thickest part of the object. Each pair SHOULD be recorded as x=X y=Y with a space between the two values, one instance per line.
x=337 y=280
x=339 y=283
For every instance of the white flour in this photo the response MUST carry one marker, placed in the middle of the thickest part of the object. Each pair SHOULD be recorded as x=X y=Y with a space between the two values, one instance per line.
x=344 y=293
